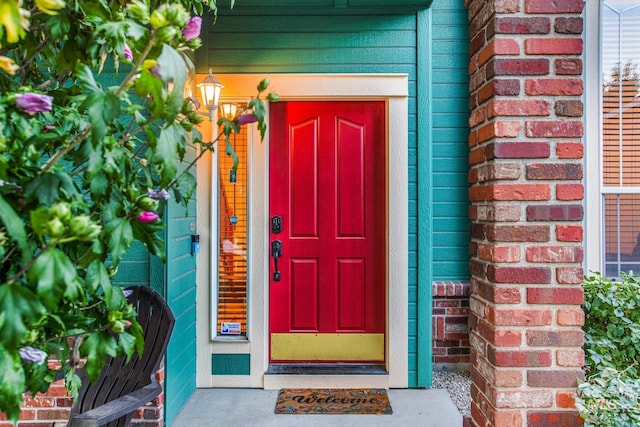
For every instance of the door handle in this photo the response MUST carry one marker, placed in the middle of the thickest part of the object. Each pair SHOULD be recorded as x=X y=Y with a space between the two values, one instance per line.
x=276 y=252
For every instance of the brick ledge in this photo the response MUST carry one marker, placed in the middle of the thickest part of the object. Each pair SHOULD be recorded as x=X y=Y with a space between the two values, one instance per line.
x=454 y=288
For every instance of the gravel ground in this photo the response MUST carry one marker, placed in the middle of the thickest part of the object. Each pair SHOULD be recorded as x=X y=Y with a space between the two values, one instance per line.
x=458 y=385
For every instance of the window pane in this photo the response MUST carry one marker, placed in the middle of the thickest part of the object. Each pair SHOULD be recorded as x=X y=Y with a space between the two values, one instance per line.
x=622 y=233
x=232 y=260
x=621 y=109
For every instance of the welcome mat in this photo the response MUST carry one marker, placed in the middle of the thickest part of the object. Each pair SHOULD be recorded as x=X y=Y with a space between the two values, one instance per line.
x=333 y=401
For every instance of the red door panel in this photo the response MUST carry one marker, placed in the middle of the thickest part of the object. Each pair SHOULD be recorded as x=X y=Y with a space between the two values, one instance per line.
x=328 y=183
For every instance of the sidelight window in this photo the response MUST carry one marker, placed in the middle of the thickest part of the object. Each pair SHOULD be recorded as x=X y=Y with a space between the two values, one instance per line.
x=232 y=238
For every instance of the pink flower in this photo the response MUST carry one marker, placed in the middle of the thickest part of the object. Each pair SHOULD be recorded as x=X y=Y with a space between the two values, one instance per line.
x=192 y=29
x=128 y=54
x=33 y=103
x=245 y=119
x=147 y=216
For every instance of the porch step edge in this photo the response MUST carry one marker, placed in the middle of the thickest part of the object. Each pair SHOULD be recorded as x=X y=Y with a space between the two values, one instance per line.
x=279 y=381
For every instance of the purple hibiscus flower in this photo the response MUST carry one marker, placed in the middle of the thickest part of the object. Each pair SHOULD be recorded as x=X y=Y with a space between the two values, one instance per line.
x=33 y=103
x=32 y=355
x=128 y=54
x=160 y=194
x=192 y=29
x=245 y=119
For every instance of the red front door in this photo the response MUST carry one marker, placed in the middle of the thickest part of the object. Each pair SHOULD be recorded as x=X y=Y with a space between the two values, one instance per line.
x=327 y=192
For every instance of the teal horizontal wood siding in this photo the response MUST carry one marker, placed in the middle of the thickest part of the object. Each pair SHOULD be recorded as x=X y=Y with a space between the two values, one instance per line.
x=337 y=4
x=326 y=41
x=377 y=40
x=181 y=294
x=450 y=82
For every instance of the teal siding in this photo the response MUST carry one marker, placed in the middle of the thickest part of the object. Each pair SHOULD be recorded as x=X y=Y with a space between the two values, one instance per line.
x=334 y=40
x=420 y=359
x=450 y=83
x=230 y=364
x=181 y=294
x=176 y=281
x=134 y=268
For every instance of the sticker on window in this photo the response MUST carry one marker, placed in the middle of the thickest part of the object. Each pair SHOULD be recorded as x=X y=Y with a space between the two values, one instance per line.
x=230 y=328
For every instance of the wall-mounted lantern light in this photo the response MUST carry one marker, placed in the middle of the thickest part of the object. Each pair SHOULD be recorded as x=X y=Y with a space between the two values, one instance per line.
x=210 y=89
x=229 y=110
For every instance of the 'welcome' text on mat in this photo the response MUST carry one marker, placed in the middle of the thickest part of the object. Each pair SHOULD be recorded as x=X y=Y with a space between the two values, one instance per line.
x=333 y=401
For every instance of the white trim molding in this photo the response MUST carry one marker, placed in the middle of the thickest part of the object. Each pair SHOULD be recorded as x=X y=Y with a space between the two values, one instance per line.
x=592 y=146
x=391 y=88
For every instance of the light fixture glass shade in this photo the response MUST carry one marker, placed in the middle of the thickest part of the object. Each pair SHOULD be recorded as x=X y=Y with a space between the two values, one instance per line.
x=210 y=89
x=229 y=110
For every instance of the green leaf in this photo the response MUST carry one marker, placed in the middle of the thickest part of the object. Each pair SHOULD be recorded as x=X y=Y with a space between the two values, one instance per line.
x=149 y=234
x=96 y=346
x=11 y=21
x=55 y=276
x=85 y=78
x=72 y=382
x=95 y=162
x=111 y=108
x=229 y=151
x=93 y=106
x=14 y=226
x=11 y=379
x=172 y=67
x=136 y=330
x=99 y=186
x=127 y=344
x=59 y=26
x=148 y=85
x=135 y=31
x=120 y=238
x=165 y=155
x=19 y=309
x=39 y=377
x=187 y=184
x=47 y=188
x=97 y=276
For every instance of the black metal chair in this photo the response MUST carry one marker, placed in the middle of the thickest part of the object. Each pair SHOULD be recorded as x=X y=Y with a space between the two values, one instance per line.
x=124 y=387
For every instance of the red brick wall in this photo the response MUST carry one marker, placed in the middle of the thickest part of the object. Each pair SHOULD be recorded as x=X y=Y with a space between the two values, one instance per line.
x=52 y=409
x=451 y=325
x=526 y=193
x=44 y=410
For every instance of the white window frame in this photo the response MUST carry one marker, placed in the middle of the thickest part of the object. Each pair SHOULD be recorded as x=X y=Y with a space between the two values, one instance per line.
x=594 y=188
x=593 y=216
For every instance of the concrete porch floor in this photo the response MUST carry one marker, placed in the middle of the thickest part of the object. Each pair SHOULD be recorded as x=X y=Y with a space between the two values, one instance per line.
x=255 y=408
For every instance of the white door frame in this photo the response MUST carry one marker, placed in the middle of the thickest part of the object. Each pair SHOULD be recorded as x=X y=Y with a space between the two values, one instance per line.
x=391 y=88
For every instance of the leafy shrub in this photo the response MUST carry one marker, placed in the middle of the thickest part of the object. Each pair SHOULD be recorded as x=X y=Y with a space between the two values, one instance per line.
x=609 y=396
x=87 y=162
x=612 y=324
x=609 y=399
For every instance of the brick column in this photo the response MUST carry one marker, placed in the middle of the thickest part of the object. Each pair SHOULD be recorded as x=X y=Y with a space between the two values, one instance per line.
x=526 y=211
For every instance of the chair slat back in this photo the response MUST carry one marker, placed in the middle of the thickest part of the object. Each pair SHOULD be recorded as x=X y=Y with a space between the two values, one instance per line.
x=119 y=378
